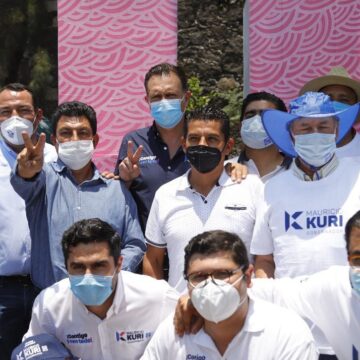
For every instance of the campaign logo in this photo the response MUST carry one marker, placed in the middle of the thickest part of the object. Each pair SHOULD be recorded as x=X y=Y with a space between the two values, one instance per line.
x=151 y=159
x=132 y=336
x=195 y=357
x=79 y=338
x=32 y=349
x=314 y=220
x=289 y=220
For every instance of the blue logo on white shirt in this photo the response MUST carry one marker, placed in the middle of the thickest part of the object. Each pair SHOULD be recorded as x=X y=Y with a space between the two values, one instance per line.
x=313 y=219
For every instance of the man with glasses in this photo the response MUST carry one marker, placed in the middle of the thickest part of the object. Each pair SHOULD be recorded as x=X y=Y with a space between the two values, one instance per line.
x=71 y=189
x=218 y=274
x=18 y=112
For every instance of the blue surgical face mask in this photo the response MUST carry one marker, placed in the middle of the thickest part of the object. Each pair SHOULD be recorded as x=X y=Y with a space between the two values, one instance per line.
x=91 y=289
x=167 y=112
x=315 y=149
x=355 y=278
x=253 y=133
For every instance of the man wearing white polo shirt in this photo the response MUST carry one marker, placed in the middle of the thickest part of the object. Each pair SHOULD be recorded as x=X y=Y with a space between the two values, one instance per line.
x=330 y=298
x=235 y=326
x=204 y=198
x=100 y=312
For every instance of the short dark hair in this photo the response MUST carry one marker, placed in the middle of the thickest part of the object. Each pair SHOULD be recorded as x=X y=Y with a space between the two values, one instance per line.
x=262 y=95
x=74 y=108
x=353 y=222
x=212 y=242
x=208 y=113
x=89 y=231
x=166 y=69
x=17 y=87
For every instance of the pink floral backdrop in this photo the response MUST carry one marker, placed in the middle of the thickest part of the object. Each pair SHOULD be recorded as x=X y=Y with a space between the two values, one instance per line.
x=289 y=42
x=105 y=48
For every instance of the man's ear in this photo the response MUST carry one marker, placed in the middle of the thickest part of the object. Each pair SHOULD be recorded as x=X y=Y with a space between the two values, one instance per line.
x=183 y=143
x=96 y=140
x=38 y=116
x=187 y=97
x=53 y=139
x=119 y=263
x=229 y=145
x=248 y=274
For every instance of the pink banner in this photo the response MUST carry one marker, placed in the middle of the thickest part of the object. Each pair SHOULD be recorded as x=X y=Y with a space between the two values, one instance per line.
x=289 y=42
x=105 y=49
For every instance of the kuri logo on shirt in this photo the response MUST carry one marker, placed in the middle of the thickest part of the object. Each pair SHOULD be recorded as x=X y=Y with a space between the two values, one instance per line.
x=132 y=336
x=313 y=219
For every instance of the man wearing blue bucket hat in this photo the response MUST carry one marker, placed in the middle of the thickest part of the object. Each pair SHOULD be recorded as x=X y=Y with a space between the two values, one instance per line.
x=300 y=222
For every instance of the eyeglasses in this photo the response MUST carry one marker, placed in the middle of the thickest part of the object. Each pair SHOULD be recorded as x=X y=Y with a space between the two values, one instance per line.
x=354 y=260
x=217 y=277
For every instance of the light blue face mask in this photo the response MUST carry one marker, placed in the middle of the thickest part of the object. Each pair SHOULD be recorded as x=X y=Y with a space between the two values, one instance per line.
x=253 y=134
x=167 y=112
x=315 y=149
x=91 y=289
x=355 y=279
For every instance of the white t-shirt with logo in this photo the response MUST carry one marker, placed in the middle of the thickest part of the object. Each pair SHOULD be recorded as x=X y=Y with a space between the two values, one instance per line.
x=269 y=333
x=140 y=304
x=302 y=222
x=327 y=299
x=178 y=213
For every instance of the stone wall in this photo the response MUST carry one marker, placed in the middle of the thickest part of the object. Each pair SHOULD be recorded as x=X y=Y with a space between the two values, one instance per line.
x=210 y=41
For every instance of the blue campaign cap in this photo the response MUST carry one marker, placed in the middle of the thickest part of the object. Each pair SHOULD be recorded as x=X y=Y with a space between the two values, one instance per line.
x=310 y=105
x=41 y=347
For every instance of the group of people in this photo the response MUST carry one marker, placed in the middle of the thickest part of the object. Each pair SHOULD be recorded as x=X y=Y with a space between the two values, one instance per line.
x=278 y=211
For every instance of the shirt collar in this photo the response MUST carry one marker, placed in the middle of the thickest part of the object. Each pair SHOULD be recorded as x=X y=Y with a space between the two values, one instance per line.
x=119 y=296
x=60 y=167
x=184 y=183
x=323 y=172
x=9 y=154
x=255 y=322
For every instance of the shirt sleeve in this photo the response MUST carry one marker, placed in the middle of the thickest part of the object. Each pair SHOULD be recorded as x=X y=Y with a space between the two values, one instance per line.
x=133 y=241
x=28 y=189
x=39 y=323
x=262 y=241
x=153 y=231
x=158 y=346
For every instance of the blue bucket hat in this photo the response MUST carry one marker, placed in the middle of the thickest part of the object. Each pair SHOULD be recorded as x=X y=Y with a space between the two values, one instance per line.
x=41 y=347
x=310 y=105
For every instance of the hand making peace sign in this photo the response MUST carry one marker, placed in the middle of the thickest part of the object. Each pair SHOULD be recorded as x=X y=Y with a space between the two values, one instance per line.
x=129 y=168
x=31 y=158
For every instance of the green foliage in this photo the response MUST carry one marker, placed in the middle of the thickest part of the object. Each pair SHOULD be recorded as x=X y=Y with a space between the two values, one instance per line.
x=198 y=99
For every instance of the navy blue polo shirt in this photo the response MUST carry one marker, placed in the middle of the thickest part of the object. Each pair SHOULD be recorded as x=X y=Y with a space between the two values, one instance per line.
x=156 y=167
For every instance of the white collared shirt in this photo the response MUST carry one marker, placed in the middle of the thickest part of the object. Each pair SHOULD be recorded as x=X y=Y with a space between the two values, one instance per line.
x=139 y=305
x=15 y=243
x=178 y=213
x=327 y=299
x=269 y=333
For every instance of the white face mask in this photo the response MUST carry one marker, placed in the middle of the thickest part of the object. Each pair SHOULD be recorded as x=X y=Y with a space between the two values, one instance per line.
x=76 y=154
x=216 y=302
x=12 y=128
x=315 y=149
x=253 y=134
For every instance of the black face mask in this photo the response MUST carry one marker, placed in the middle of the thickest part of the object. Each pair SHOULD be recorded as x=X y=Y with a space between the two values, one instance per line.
x=203 y=158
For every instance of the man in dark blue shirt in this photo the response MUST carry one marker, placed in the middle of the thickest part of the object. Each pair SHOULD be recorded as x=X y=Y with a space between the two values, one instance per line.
x=159 y=157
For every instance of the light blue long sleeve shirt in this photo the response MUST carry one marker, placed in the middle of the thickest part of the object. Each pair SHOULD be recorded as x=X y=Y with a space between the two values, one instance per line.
x=54 y=201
